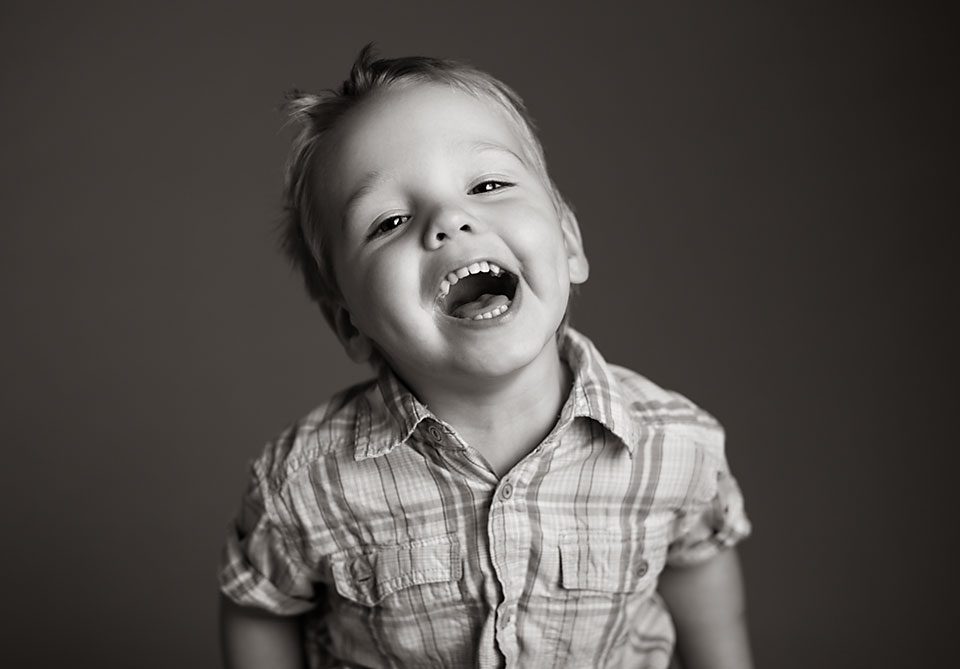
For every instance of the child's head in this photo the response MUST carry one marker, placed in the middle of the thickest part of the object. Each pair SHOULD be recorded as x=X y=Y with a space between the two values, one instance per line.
x=413 y=170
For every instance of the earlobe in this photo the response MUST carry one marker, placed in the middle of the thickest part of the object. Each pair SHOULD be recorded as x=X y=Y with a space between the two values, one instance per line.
x=358 y=346
x=577 y=263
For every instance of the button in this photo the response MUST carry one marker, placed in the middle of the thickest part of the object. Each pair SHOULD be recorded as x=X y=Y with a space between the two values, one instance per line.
x=506 y=491
x=361 y=570
x=435 y=433
x=642 y=568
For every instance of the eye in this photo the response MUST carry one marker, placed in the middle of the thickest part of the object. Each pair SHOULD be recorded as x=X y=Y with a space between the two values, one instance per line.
x=388 y=224
x=489 y=186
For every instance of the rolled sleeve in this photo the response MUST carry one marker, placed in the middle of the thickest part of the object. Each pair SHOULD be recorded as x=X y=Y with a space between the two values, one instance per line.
x=259 y=566
x=707 y=528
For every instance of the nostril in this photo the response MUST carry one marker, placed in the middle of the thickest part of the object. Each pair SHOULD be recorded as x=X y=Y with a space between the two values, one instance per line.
x=441 y=236
x=465 y=227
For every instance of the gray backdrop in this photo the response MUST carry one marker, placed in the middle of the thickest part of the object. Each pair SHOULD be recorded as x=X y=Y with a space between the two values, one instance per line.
x=765 y=194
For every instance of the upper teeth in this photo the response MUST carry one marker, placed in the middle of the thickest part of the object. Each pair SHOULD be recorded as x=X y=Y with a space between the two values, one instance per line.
x=474 y=268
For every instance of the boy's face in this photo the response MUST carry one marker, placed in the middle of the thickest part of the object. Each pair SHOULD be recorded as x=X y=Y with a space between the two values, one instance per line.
x=424 y=184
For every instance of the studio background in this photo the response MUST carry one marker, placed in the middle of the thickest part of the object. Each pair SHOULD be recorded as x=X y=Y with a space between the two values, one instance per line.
x=767 y=195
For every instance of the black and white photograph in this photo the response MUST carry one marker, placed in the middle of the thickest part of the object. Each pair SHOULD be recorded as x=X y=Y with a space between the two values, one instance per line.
x=479 y=335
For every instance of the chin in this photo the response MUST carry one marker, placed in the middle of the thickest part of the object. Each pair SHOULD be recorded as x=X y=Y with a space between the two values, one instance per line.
x=498 y=358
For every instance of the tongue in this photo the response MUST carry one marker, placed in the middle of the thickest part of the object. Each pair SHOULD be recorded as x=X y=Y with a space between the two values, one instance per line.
x=481 y=305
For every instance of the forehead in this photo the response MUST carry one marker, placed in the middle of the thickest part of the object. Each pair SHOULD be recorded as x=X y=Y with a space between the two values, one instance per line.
x=395 y=124
x=428 y=113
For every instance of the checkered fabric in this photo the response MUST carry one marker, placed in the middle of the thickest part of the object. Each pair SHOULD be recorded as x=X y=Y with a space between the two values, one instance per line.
x=405 y=550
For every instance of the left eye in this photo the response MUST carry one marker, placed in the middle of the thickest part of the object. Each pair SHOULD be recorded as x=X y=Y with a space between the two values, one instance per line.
x=488 y=187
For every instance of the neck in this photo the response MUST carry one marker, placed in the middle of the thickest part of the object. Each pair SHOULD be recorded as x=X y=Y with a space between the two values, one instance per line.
x=509 y=415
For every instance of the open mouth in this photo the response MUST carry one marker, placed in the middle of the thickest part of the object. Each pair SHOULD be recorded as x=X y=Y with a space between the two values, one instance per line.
x=479 y=291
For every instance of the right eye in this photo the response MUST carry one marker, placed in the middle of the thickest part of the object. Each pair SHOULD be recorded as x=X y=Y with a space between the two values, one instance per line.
x=388 y=225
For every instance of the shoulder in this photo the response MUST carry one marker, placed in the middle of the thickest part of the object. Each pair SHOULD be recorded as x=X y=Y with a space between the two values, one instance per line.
x=327 y=431
x=650 y=401
x=678 y=416
x=635 y=403
x=688 y=442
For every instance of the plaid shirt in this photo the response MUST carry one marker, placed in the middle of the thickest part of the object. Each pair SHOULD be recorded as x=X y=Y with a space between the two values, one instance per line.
x=372 y=514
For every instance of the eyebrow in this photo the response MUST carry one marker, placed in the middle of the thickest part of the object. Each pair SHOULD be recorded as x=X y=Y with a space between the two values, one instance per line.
x=367 y=184
x=483 y=146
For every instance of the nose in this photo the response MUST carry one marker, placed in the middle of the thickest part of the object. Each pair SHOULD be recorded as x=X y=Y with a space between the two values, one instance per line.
x=446 y=223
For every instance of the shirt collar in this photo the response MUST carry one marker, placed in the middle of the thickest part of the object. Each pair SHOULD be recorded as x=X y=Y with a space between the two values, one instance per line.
x=389 y=418
x=393 y=416
x=597 y=393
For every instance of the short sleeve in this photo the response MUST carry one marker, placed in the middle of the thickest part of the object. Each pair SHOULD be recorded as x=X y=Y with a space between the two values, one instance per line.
x=260 y=567
x=713 y=524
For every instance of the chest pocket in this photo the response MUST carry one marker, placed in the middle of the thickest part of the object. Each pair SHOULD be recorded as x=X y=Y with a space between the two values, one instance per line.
x=403 y=575
x=608 y=562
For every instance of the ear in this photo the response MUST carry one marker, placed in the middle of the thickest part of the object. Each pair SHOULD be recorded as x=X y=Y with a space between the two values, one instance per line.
x=358 y=346
x=577 y=263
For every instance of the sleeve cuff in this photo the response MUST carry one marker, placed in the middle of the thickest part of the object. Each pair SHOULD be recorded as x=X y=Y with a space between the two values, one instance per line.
x=722 y=523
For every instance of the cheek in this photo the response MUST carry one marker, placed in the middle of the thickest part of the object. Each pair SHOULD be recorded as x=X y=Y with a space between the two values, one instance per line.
x=535 y=228
x=385 y=282
x=383 y=291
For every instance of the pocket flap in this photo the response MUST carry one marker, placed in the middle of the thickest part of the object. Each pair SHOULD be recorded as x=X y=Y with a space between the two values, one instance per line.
x=367 y=578
x=603 y=561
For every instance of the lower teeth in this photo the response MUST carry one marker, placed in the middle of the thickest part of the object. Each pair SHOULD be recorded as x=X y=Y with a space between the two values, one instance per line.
x=492 y=314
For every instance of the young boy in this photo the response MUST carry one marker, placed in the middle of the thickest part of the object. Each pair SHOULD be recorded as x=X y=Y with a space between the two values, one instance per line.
x=500 y=495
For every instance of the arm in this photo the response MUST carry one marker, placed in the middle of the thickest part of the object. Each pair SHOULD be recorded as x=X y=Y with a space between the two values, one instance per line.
x=709 y=612
x=251 y=638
